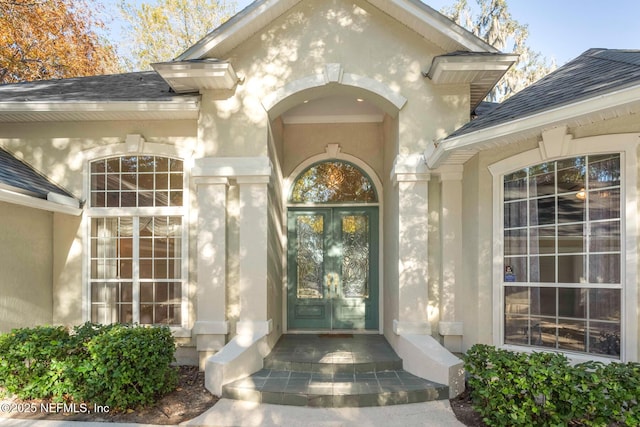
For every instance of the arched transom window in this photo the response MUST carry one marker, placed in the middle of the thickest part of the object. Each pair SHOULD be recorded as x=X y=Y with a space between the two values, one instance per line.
x=333 y=181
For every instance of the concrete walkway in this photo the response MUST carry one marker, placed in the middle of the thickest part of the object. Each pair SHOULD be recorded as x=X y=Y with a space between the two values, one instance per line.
x=247 y=414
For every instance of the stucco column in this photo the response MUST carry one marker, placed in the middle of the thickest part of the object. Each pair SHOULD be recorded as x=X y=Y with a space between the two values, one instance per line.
x=253 y=316
x=413 y=290
x=451 y=250
x=211 y=326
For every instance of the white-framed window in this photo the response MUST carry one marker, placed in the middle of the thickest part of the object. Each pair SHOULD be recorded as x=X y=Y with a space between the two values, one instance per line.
x=137 y=232
x=565 y=245
x=562 y=255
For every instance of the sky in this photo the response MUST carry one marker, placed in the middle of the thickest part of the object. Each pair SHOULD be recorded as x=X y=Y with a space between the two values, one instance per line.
x=563 y=29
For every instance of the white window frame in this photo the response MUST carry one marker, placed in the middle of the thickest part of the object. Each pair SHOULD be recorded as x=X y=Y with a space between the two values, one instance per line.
x=135 y=145
x=624 y=144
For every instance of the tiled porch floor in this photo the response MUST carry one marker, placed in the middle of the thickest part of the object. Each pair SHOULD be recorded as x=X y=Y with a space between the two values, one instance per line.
x=342 y=371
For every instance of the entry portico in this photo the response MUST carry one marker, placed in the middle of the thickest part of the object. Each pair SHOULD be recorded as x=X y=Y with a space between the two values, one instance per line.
x=192 y=217
x=295 y=101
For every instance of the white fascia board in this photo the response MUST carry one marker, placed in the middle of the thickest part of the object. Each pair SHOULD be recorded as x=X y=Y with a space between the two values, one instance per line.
x=36 y=203
x=446 y=64
x=246 y=23
x=189 y=76
x=564 y=113
x=61 y=199
x=191 y=104
x=438 y=22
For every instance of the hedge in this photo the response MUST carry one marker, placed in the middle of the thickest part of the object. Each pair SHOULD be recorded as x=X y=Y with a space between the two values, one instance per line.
x=119 y=366
x=543 y=389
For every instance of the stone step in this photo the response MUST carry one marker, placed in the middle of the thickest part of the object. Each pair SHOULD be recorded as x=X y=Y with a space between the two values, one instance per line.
x=345 y=367
x=337 y=389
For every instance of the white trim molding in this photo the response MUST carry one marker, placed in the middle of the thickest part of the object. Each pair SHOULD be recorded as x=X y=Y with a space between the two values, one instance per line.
x=335 y=80
x=612 y=104
x=627 y=146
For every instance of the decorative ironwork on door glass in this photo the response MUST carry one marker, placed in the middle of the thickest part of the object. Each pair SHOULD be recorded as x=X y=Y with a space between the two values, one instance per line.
x=333 y=182
x=310 y=255
x=355 y=256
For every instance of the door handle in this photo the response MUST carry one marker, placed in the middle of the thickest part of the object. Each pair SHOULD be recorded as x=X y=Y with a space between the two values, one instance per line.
x=331 y=281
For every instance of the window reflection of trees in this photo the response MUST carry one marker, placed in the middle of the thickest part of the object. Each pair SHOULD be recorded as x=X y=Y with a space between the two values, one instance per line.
x=562 y=244
x=333 y=182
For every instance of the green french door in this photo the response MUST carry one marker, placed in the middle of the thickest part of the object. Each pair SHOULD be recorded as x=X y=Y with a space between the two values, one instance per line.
x=333 y=268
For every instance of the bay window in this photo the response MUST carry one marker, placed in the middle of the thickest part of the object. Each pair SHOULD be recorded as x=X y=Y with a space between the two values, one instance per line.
x=136 y=240
x=562 y=263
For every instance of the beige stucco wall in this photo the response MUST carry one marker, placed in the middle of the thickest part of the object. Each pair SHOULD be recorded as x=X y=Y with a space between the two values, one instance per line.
x=476 y=299
x=390 y=234
x=300 y=44
x=355 y=34
x=67 y=269
x=55 y=148
x=26 y=264
x=58 y=150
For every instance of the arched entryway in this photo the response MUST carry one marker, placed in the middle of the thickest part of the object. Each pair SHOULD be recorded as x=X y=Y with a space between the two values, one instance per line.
x=333 y=248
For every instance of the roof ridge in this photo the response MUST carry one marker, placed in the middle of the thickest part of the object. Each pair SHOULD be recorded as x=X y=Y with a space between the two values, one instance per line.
x=594 y=53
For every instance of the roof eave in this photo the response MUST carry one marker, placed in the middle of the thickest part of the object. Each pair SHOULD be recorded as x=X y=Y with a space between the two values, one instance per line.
x=480 y=71
x=237 y=29
x=195 y=76
x=438 y=151
x=183 y=107
x=54 y=202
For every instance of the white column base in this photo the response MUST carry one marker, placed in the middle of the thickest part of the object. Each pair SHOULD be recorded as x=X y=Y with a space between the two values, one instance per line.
x=251 y=327
x=423 y=356
x=241 y=357
x=415 y=328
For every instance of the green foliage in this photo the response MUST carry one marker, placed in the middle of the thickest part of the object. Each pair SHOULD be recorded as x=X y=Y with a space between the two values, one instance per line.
x=120 y=366
x=135 y=363
x=491 y=20
x=159 y=30
x=543 y=389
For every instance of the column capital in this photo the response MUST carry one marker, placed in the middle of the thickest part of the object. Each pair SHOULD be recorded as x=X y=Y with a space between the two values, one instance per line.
x=232 y=167
x=211 y=180
x=253 y=179
x=409 y=168
x=450 y=172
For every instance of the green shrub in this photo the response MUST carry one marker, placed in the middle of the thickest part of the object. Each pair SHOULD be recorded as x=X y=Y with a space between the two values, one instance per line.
x=118 y=366
x=129 y=366
x=543 y=389
x=33 y=361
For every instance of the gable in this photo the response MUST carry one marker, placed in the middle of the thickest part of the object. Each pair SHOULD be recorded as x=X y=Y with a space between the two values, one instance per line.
x=401 y=40
x=412 y=14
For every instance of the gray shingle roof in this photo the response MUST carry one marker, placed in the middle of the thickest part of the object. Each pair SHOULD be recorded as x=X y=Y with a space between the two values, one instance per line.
x=140 y=86
x=595 y=72
x=18 y=174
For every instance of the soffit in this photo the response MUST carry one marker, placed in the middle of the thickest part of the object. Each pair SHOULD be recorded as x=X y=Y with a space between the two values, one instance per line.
x=60 y=111
x=480 y=70
x=197 y=75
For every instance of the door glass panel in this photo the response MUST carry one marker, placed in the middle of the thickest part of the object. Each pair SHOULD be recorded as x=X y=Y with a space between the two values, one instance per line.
x=333 y=182
x=310 y=255
x=355 y=256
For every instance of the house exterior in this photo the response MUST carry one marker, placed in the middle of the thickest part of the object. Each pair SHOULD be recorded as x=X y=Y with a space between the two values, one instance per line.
x=312 y=166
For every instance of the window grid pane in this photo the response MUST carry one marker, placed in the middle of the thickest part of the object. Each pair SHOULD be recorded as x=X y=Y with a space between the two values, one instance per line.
x=130 y=253
x=562 y=227
x=137 y=181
